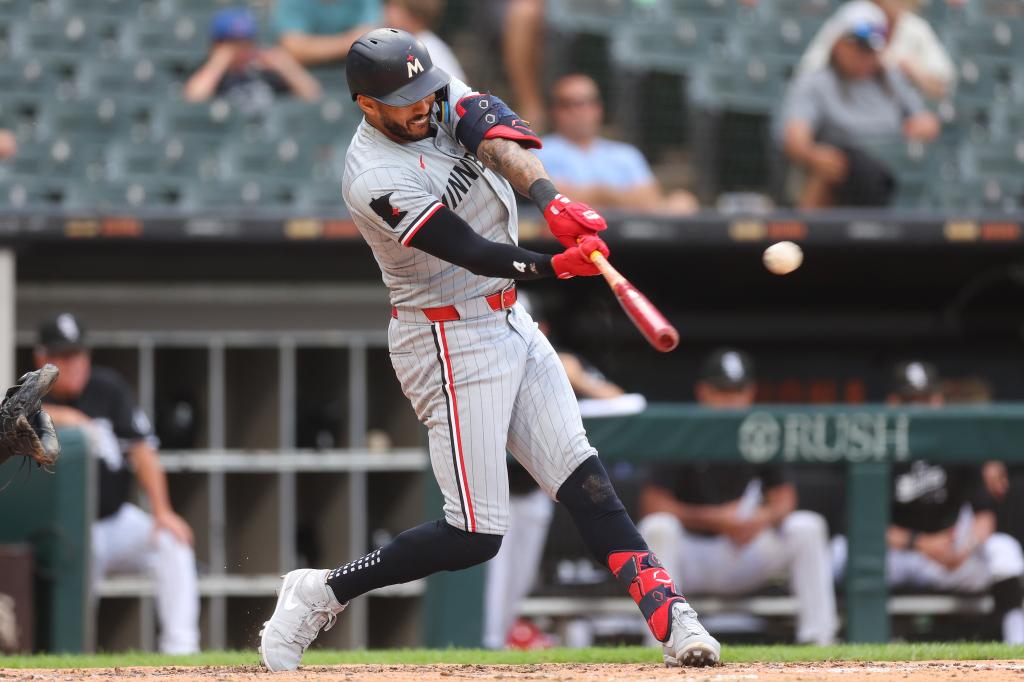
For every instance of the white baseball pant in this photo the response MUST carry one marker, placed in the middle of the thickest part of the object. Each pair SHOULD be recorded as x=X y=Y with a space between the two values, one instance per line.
x=714 y=565
x=126 y=543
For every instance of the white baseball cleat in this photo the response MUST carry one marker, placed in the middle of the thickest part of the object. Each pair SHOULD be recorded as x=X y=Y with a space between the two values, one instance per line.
x=689 y=643
x=305 y=605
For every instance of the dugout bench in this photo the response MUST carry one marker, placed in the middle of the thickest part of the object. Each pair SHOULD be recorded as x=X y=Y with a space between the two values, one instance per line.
x=868 y=438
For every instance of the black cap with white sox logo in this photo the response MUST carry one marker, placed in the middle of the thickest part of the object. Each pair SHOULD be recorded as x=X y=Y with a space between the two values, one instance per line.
x=392 y=67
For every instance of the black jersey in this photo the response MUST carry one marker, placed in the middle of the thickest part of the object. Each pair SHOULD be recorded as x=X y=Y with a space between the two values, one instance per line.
x=713 y=483
x=118 y=423
x=928 y=497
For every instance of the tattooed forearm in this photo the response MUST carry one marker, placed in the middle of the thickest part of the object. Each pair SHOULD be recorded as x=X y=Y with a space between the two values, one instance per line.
x=517 y=165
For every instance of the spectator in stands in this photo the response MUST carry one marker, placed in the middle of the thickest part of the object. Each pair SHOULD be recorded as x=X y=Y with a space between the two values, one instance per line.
x=601 y=172
x=321 y=31
x=8 y=144
x=942 y=529
x=829 y=112
x=913 y=48
x=417 y=17
x=239 y=69
x=124 y=538
x=513 y=571
x=732 y=528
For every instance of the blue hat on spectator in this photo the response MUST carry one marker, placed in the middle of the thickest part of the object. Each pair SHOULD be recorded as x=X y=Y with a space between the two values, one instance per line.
x=234 y=23
x=863 y=21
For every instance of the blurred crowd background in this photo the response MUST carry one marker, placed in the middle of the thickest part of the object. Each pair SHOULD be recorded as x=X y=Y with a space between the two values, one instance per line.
x=732 y=103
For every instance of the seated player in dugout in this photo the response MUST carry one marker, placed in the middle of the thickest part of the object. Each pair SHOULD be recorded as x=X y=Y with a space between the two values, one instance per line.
x=124 y=538
x=942 y=532
x=430 y=181
x=728 y=528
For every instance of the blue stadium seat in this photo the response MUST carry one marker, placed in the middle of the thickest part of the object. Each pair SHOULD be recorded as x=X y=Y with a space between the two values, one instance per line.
x=214 y=121
x=60 y=157
x=183 y=38
x=673 y=47
x=237 y=195
x=72 y=36
x=32 y=192
x=135 y=79
x=775 y=37
x=320 y=197
x=29 y=9
x=994 y=171
x=750 y=85
x=118 y=9
x=994 y=41
x=980 y=88
x=599 y=17
x=329 y=119
x=174 y=157
x=286 y=157
x=133 y=194
x=100 y=118
x=27 y=77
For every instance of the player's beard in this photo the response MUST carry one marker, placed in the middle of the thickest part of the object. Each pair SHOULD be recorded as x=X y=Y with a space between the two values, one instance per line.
x=403 y=131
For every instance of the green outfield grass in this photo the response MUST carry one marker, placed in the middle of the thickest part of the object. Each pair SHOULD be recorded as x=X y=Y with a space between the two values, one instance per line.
x=730 y=654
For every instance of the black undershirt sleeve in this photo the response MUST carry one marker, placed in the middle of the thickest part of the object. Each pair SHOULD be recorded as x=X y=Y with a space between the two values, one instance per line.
x=450 y=238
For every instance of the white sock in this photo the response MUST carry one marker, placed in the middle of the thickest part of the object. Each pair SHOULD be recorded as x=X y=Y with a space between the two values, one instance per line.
x=1013 y=626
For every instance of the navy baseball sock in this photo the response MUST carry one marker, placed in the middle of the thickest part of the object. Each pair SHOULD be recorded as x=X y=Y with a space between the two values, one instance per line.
x=612 y=537
x=428 y=548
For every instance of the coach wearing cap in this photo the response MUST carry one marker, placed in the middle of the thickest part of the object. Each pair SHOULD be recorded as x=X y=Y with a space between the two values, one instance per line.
x=729 y=528
x=124 y=538
x=829 y=113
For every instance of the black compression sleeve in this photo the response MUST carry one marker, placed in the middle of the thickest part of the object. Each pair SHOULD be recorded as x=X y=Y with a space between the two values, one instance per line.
x=449 y=237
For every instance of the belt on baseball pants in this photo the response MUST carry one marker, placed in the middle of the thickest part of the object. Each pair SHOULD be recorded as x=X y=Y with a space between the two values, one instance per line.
x=502 y=300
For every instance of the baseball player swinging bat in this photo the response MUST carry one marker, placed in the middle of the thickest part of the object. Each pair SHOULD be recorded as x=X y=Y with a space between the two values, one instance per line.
x=647 y=318
x=430 y=181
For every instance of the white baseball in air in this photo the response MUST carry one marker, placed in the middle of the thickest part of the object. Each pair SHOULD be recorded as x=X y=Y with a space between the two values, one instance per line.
x=783 y=258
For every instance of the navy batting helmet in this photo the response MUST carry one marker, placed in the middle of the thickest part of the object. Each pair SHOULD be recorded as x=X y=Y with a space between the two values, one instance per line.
x=392 y=67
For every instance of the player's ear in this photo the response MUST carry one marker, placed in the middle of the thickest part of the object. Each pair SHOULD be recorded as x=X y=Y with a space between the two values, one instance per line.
x=367 y=104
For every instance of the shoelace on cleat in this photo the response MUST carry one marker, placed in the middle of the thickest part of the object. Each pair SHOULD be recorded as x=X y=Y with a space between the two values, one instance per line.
x=316 y=618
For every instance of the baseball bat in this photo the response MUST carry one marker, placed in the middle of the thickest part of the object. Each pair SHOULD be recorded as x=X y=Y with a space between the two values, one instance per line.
x=648 y=319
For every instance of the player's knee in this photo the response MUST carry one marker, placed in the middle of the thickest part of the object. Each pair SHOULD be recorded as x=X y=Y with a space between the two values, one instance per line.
x=482 y=547
x=589 y=491
x=805 y=526
x=1004 y=556
x=659 y=527
x=170 y=547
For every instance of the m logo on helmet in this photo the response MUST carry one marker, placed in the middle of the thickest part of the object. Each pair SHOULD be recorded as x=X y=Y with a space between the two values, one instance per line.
x=414 y=66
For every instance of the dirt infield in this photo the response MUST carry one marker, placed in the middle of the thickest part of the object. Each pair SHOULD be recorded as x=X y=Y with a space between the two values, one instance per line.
x=926 y=671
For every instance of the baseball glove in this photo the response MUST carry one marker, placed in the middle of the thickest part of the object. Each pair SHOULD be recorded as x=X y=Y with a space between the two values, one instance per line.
x=25 y=429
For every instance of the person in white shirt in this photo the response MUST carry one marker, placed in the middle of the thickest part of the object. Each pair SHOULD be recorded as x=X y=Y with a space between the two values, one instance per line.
x=913 y=48
x=417 y=17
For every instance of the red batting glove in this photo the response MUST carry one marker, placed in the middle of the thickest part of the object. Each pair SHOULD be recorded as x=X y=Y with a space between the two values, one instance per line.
x=570 y=220
x=576 y=259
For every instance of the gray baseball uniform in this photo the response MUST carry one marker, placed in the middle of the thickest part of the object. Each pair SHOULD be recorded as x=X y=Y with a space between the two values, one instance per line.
x=488 y=380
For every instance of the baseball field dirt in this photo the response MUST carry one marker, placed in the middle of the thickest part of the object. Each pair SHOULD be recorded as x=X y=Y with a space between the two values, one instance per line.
x=916 y=671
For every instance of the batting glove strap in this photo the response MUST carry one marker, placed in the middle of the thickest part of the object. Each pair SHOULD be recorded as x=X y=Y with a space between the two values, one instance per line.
x=569 y=220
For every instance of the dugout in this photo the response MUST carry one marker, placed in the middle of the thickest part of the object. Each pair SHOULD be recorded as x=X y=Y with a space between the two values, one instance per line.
x=270 y=329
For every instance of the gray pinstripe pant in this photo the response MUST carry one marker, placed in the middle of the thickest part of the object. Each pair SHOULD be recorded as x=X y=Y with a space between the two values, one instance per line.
x=482 y=385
